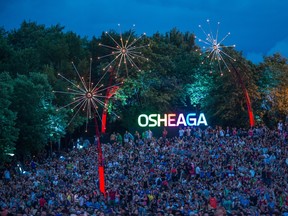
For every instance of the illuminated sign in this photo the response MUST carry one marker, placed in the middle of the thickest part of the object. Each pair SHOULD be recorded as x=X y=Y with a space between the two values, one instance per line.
x=171 y=120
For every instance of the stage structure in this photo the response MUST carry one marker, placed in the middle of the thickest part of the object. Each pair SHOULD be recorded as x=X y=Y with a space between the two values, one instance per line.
x=213 y=49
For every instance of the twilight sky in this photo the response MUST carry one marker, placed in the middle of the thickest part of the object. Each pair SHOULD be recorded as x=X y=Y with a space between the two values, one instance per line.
x=258 y=27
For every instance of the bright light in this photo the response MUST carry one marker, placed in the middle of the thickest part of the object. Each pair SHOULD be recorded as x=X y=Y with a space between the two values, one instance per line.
x=87 y=96
x=171 y=120
x=214 y=48
x=124 y=52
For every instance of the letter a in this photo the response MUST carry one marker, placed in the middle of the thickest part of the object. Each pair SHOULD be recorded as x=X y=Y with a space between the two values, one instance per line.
x=181 y=120
x=202 y=120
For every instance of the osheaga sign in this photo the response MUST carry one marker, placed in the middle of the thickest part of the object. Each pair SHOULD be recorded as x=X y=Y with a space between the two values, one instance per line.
x=171 y=120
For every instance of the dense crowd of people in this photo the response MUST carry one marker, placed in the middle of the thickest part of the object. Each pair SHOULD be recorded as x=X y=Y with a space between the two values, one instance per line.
x=212 y=171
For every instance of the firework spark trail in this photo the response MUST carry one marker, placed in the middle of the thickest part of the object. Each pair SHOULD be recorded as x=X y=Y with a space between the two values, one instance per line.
x=124 y=52
x=214 y=49
x=87 y=96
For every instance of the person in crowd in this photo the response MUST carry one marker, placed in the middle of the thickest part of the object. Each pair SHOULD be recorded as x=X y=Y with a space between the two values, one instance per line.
x=164 y=133
x=204 y=173
x=181 y=132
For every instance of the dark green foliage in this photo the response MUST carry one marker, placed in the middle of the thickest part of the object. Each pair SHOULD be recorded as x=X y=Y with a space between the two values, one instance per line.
x=160 y=87
x=8 y=131
x=173 y=80
x=6 y=51
x=273 y=88
x=226 y=103
x=31 y=98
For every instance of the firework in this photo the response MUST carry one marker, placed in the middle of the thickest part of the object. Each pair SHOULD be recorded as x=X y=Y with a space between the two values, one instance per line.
x=124 y=51
x=87 y=97
x=214 y=49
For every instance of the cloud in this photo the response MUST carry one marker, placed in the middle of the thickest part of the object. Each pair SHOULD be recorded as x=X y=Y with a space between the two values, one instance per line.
x=280 y=47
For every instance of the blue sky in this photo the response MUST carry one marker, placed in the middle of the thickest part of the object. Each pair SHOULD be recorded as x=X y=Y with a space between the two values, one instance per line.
x=257 y=27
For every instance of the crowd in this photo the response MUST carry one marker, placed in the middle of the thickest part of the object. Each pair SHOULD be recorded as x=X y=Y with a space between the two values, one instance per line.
x=213 y=171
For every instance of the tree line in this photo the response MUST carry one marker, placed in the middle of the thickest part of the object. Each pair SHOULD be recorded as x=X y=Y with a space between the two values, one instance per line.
x=172 y=80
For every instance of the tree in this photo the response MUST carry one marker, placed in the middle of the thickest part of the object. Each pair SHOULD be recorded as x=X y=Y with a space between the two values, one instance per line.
x=6 y=51
x=196 y=92
x=172 y=80
x=161 y=85
x=36 y=46
x=226 y=103
x=273 y=82
x=30 y=98
x=8 y=132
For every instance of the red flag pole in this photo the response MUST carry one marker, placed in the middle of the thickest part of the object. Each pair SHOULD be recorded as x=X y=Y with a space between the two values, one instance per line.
x=101 y=170
x=109 y=93
x=100 y=160
x=248 y=101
